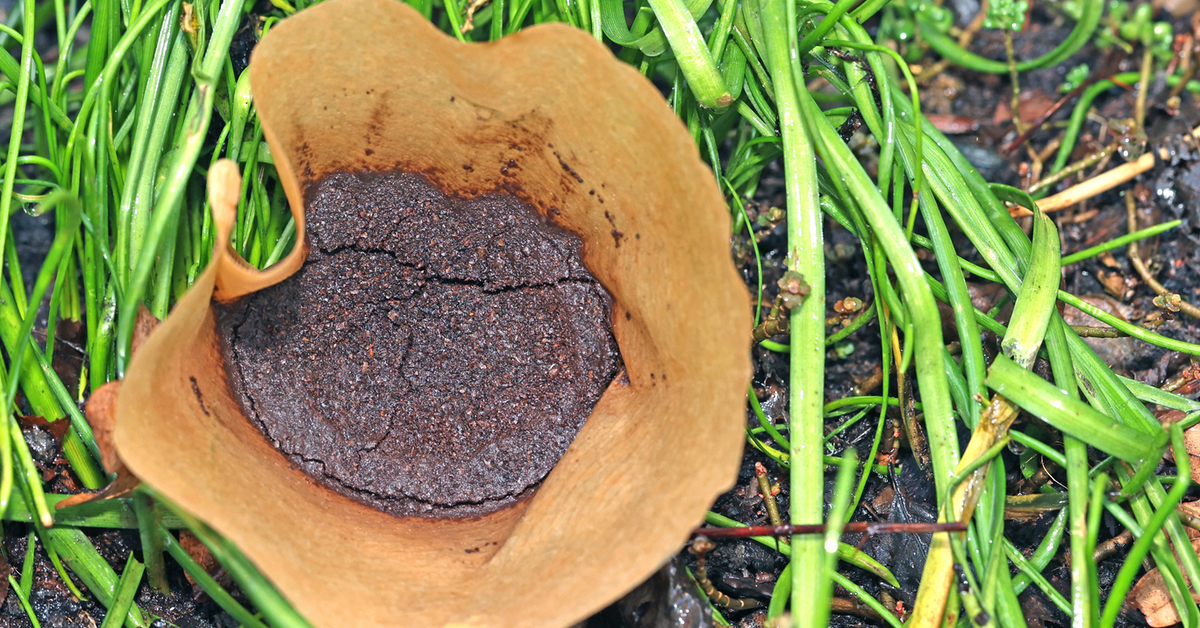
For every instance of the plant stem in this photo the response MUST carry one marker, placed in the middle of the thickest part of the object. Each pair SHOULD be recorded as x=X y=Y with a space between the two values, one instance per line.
x=691 y=53
x=806 y=255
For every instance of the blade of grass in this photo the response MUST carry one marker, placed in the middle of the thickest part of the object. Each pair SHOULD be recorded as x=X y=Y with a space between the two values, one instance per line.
x=23 y=599
x=17 y=128
x=148 y=521
x=206 y=582
x=127 y=587
x=256 y=587
x=81 y=556
x=1142 y=546
x=1053 y=405
x=806 y=256
x=1082 y=32
x=170 y=195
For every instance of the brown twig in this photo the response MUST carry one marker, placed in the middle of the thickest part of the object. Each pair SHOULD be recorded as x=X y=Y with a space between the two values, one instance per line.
x=1087 y=162
x=1112 y=546
x=854 y=527
x=1091 y=187
x=1014 y=77
x=1037 y=124
x=843 y=606
x=1140 y=266
x=1139 y=105
x=1095 y=185
x=1186 y=72
x=768 y=494
x=868 y=385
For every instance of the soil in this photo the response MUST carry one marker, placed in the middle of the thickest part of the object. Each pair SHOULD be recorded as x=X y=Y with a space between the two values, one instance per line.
x=435 y=356
x=56 y=606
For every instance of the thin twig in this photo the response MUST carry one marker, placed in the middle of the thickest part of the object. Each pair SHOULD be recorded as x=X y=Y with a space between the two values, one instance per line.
x=854 y=527
x=1014 y=77
x=768 y=494
x=1087 y=162
x=1096 y=185
x=1037 y=124
x=1140 y=266
x=1139 y=107
x=1092 y=187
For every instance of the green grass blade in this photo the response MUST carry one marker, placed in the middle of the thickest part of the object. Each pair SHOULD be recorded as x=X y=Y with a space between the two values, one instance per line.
x=127 y=587
x=1067 y=414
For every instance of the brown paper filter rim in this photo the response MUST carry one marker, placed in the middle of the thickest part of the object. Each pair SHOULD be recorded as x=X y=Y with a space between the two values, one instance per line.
x=549 y=115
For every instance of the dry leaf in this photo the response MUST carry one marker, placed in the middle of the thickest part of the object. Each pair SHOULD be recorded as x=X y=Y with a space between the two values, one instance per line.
x=1150 y=596
x=101 y=415
x=353 y=85
x=199 y=553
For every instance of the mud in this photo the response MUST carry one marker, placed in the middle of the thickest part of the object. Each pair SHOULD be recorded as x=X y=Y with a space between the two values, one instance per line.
x=435 y=356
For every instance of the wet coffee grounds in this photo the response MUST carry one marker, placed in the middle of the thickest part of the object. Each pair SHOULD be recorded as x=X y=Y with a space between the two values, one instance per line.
x=434 y=356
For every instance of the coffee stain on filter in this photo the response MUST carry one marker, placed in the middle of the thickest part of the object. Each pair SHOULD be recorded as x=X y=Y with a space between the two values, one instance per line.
x=550 y=116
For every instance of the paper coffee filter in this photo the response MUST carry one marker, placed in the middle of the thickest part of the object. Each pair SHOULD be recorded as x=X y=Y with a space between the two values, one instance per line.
x=548 y=115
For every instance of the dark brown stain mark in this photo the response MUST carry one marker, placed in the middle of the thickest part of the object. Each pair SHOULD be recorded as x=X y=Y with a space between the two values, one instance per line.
x=638 y=236
x=592 y=191
x=568 y=168
x=369 y=152
x=199 y=396
x=451 y=99
x=616 y=235
x=468 y=167
x=629 y=316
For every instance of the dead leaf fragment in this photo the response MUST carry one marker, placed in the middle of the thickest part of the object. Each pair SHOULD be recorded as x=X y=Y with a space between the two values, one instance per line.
x=1150 y=596
x=101 y=412
x=1117 y=284
x=952 y=124
x=1034 y=103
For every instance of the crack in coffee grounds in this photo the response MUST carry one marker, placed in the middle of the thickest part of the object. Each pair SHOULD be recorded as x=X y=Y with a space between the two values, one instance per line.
x=434 y=356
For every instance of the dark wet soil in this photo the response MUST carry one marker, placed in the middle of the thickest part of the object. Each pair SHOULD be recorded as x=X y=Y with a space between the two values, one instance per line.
x=55 y=605
x=435 y=355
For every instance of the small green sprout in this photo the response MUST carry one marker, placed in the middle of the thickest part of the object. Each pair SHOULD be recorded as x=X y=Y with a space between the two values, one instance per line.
x=1075 y=78
x=1006 y=14
x=1126 y=29
x=792 y=290
x=939 y=17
